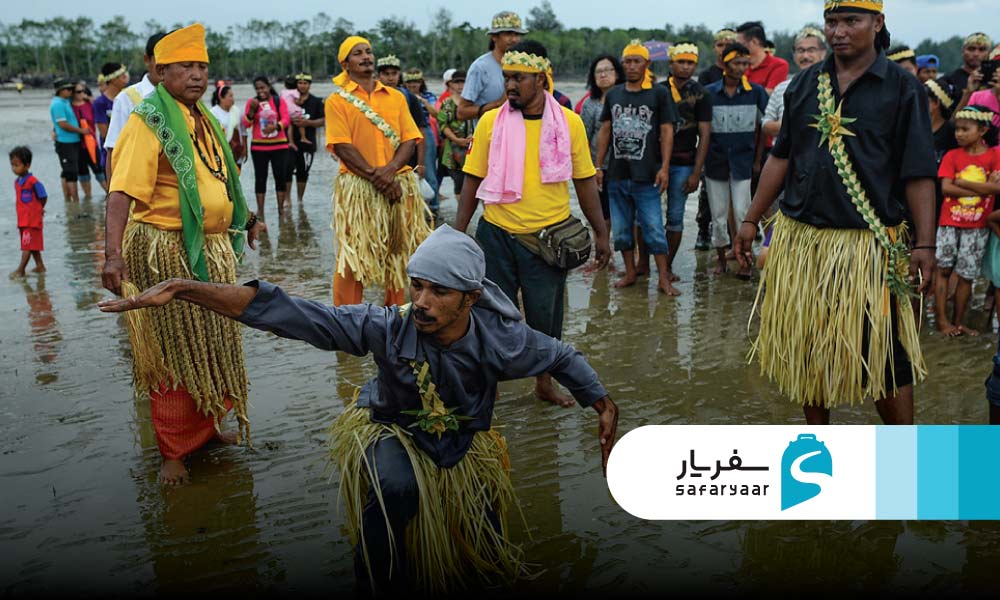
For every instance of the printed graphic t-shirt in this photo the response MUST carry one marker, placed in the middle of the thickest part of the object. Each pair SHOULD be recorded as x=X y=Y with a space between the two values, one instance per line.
x=635 y=131
x=968 y=212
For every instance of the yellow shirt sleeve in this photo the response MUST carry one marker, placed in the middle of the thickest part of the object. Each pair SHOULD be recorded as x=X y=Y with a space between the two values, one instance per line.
x=583 y=165
x=478 y=160
x=134 y=165
x=337 y=129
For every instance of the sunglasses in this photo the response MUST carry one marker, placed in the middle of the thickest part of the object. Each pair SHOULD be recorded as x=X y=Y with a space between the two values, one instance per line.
x=79 y=91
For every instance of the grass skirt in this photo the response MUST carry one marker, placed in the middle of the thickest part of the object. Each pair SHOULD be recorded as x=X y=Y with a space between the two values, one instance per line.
x=819 y=291
x=450 y=544
x=374 y=238
x=182 y=345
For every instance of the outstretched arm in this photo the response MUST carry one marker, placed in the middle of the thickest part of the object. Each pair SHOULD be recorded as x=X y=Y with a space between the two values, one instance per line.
x=227 y=300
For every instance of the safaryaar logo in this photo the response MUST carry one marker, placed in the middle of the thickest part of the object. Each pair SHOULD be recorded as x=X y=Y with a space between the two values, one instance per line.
x=806 y=466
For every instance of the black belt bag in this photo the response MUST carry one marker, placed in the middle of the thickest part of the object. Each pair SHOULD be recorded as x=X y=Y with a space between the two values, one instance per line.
x=565 y=245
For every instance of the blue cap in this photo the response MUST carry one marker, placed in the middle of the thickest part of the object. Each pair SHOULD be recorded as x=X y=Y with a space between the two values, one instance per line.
x=927 y=61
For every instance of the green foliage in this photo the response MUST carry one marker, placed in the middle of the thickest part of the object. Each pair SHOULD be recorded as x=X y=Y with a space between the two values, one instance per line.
x=77 y=47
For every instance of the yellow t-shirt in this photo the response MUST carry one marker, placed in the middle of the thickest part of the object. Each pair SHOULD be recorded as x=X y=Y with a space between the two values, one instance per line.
x=345 y=124
x=542 y=204
x=141 y=170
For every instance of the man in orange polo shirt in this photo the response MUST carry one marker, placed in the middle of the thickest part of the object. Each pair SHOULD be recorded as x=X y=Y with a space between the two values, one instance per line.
x=379 y=215
x=190 y=220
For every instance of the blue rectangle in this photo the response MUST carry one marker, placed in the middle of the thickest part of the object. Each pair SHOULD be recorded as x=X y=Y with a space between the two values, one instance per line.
x=895 y=472
x=937 y=472
x=979 y=483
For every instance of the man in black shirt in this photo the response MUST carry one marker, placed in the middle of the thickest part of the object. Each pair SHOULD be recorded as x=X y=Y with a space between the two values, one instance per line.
x=389 y=73
x=312 y=118
x=974 y=51
x=836 y=321
x=638 y=127
x=723 y=38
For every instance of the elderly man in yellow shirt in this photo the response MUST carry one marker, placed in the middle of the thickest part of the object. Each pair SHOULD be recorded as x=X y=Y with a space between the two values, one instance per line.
x=189 y=220
x=522 y=158
x=379 y=215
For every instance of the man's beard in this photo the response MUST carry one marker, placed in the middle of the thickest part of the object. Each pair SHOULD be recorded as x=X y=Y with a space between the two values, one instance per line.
x=516 y=104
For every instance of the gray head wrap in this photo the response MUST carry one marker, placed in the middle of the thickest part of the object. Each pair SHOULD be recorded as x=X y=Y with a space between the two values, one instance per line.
x=454 y=260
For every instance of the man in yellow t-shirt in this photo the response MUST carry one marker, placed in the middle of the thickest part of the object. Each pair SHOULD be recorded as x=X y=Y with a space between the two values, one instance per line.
x=533 y=205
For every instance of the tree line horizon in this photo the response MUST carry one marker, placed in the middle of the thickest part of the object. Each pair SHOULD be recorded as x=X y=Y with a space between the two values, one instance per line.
x=38 y=51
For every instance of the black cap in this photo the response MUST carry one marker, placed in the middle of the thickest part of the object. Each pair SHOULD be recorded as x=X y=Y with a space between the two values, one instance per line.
x=62 y=83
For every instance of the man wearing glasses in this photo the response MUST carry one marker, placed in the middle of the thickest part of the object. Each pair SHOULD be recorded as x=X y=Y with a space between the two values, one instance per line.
x=810 y=48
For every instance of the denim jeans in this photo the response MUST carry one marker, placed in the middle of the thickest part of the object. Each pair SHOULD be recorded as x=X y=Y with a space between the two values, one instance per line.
x=633 y=202
x=676 y=198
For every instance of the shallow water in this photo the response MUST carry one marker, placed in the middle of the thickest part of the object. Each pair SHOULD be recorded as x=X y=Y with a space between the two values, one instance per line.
x=80 y=509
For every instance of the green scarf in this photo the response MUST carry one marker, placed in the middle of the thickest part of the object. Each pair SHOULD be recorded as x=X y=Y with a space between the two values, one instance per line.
x=161 y=113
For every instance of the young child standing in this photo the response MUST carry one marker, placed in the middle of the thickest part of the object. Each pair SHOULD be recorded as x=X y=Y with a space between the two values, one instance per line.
x=30 y=200
x=968 y=182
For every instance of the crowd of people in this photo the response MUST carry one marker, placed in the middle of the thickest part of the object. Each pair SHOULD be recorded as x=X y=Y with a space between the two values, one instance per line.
x=831 y=174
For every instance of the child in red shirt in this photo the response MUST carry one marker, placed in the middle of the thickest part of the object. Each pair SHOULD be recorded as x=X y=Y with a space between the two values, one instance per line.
x=30 y=200
x=969 y=181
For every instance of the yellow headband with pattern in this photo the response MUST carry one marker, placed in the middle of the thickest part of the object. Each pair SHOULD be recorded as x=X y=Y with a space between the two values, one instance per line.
x=972 y=114
x=978 y=39
x=389 y=60
x=522 y=62
x=684 y=52
x=939 y=93
x=810 y=32
x=874 y=6
x=303 y=77
x=413 y=76
x=903 y=54
x=725 y=34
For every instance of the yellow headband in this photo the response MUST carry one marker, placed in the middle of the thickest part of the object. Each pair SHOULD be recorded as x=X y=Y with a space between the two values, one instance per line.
x=635 y=48
x=902 y=55
x=874 y=6
x=414 y=76
x=725 y=34
x=684 y=52
x=939 y=93
x=303 y=77
x=522 y=62
x=978 y=39
x=733 y=54
x=389 y=60
x=812 y=32
x=975 y=115
x=184 y=45
x=113 y=75
x=347 y=45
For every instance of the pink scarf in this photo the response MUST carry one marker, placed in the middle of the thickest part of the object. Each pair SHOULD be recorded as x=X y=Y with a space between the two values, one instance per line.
x=504 y=180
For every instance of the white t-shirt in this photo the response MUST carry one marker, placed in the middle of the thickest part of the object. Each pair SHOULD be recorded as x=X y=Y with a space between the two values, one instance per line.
x=123 y=107
x=229 y=120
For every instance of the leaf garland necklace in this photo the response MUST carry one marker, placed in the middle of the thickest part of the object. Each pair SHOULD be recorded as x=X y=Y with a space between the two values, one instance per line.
x=831 y=124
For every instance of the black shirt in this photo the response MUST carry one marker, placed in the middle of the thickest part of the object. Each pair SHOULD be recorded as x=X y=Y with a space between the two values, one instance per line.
x=636 y=118
x=710 y=75
x=957 y=79
x=312 y=108
x=695 y=107
x=944 y=141
x=893 y=144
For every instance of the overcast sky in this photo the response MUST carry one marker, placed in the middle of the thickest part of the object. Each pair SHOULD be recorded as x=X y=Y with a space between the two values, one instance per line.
x=910 y=21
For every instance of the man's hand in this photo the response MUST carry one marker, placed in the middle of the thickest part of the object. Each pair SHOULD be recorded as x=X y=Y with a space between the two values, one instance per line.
x=602 y=251
x=607 y=428
x=599 y=179
x=383 y=178
x=743 y=245
x=420 y=170
x=254 y=233
x=922 y=263
x=297 y=120
x=975 y=80
x=113 y=274
x=394 y=193
x=662 y=180
x=158 y=295
x=692 y=183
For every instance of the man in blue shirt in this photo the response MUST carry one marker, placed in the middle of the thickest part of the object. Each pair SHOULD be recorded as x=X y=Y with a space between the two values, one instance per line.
x=68 y=140
x=733 y=153
x=484 y=89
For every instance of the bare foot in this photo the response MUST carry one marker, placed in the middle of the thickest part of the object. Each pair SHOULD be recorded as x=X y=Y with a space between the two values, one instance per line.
x=968 y=331
x=39 y=269
x=949 y=330
x=548 y=393
x=642 y=272
x=672 y=277
x=667 y=288
x=226 y=437
x=720 y=268
x=16 y=274
x=626 y=281
x=173 y=472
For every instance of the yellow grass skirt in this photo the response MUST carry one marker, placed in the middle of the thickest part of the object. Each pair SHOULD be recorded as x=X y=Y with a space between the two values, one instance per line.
x=180 y=344
x=374 y=238
x=450 y=544
x=819 y=290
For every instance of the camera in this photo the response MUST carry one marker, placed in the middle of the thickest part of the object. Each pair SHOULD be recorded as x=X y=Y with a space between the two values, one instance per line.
x=989 y=69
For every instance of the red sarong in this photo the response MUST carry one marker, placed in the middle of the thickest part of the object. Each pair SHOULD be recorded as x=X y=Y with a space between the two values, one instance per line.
x=180 y=427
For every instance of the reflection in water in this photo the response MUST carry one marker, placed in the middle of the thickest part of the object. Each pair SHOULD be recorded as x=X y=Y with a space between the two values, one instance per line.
x=45 y=334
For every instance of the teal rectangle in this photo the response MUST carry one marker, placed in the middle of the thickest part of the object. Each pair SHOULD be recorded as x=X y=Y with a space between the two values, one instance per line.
x=937 y=472
x=979 y=481
x=895 y=472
